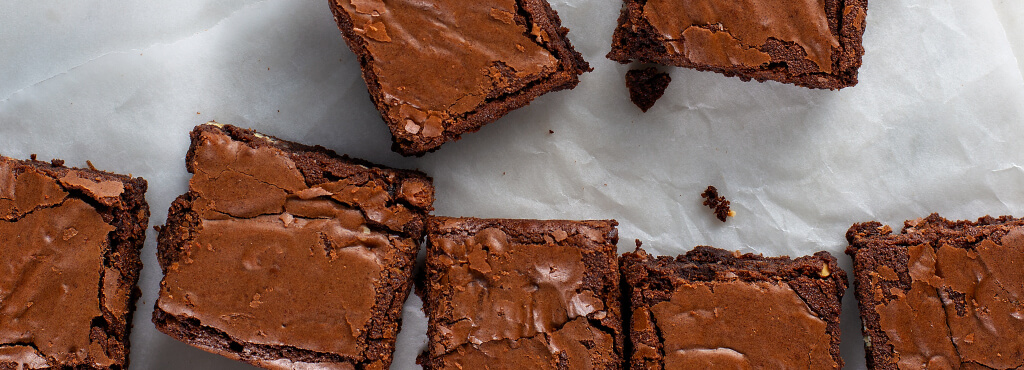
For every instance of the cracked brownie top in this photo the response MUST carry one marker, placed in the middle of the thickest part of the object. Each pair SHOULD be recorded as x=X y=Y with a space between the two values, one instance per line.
x=539 y=294
x=293 y=254
x=715 y=308
x=69 y=246
x=941 y=294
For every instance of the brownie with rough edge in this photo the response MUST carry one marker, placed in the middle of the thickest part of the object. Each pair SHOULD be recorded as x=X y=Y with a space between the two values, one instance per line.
x=712 y=308
x=941 y=294
x=524 y=294
x=815 y=44
x=69 y=246
x=438 y=69
x=287 y=256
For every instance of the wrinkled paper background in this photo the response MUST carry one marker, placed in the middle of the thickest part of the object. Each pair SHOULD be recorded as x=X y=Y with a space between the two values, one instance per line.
x=935 y=125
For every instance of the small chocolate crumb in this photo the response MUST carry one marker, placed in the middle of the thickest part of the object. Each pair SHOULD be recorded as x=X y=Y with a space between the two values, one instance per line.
x=717 y=203
x=638 y=243
x=646 y=86
x=551 y=131
x=57 y=162
x=33 y=156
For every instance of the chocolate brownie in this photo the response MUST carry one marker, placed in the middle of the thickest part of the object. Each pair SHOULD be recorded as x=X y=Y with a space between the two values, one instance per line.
x=69 y=245
x=814 y=44
x=646 y=86
x=525 y=294
x=439 y=68
x=711 y=308
x=289 y=256
x=941 y=294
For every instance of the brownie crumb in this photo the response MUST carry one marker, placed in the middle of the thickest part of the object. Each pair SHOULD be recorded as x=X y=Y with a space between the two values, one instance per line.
x=646 y=86
x=717 y=203
x=57 y=162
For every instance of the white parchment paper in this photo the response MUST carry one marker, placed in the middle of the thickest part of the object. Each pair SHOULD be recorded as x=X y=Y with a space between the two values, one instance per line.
x=935 y=125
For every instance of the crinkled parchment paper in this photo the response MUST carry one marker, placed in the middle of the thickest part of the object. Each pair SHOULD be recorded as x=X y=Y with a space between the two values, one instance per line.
x=935 y=125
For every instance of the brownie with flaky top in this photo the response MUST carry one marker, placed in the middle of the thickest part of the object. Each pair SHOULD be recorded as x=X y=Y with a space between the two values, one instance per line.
x=69 y=250
x=941 y=294
x=715 y=309
x=523 y=294
x=437 y=69
x=289 y=256
x=814 y=43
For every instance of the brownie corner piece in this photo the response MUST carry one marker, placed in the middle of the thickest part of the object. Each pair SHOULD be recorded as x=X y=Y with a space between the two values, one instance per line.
x=940 y=293
x=713 y=306
x=284 y=255
x=809 y=44
x=443 y=68
x=541 y=294
x=70 y=240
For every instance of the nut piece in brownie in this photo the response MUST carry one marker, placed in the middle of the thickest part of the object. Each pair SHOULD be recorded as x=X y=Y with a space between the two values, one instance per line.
x=942 y=294
x=646 y=86
x=69 y=249
x=711 y=308
x=289 y=256
x=436 y=69
x=814 y=44
x=525 y=294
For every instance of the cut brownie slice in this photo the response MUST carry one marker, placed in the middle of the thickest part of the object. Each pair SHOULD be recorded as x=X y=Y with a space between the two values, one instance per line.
x=289 y=256
x=942 y=294
x=527 y=294
x=439 y=68
x=814 y=44
x=69 y=245
x=646 y=86
x=712 y=308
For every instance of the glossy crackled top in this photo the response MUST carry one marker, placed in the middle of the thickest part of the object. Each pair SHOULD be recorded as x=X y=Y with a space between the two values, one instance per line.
x=737 y=325
x=277 y=262
x=437 y=59
x=518 y=303
x=731 y=33
x=52 y=274
x=964 y=305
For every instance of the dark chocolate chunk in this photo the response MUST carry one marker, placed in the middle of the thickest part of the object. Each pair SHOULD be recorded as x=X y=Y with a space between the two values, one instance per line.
x=289 y=256
x=810 y=44
x=530 y=294
x=711 y=308
x=717 y=203
x=941 y=294
x=442 y=68
x=69 y=245
x=646 y=86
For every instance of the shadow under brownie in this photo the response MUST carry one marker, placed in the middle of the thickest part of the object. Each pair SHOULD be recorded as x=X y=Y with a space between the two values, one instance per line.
x=441 y=68
x=941 y=294
x=284 y=255
x=69 y=245
x=712 y=308
x=814 y=44
x=524 y=294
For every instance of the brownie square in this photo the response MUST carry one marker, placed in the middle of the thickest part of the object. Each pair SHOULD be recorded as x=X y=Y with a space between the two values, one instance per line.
x=814 y=44
x=437 y=69
x=526 y=294
x=941 y=294
x=289 y=256
x=69 y=263
x=715 y=309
